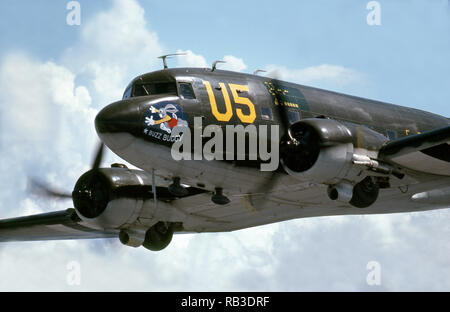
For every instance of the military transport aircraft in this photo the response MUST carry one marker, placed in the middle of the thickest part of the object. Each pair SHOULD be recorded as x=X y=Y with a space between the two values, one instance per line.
x=338 y=155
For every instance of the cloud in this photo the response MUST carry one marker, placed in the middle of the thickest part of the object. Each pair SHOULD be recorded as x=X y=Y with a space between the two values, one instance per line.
x=327 y=253
x=191 y=59
x=46 y=114
x=26 y=86
x=324 y=73
x=115 y=46
x=234 y=63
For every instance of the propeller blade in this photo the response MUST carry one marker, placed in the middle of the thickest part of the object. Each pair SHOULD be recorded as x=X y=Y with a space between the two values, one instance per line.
x=98 y=156
x=275 y=78
x=41 y=189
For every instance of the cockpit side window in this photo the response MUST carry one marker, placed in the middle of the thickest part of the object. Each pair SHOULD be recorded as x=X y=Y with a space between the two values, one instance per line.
x=186 y=91
x=127 y=93
x=142 y=89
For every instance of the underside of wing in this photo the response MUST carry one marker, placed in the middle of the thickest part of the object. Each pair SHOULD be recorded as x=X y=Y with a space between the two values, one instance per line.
x=428 y=152
x=301 y=200
x=57 y=225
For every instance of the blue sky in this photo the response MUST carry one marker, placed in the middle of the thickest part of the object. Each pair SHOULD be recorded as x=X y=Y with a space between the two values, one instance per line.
x=405 y=60
x=409 y=51
x=70 y=72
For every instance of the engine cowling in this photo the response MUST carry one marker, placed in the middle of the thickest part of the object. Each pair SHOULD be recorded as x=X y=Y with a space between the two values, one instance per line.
x=318 y=150
x=111 y=197
x=323 y=151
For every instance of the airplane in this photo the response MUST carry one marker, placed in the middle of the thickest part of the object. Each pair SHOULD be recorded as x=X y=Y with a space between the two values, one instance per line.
x=337 y=155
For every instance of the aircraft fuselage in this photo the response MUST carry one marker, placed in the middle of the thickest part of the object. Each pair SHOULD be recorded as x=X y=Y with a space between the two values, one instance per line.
x=138 y=128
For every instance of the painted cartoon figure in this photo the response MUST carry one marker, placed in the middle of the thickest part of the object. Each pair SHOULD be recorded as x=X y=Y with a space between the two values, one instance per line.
x=167 y=117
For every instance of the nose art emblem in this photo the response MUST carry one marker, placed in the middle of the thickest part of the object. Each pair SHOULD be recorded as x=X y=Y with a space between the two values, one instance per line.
x=161 y=118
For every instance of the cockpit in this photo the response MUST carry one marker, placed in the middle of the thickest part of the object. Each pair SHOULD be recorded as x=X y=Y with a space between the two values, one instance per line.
x=138 y=88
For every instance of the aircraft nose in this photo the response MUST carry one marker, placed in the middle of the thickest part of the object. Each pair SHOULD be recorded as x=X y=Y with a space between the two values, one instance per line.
x=122 y=116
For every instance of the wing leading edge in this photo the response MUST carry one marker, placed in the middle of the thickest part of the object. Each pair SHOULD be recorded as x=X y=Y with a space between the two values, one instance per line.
x=426 y=152
x=58 y=225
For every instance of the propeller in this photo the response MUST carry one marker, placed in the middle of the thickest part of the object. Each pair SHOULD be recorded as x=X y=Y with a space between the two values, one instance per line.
x=279 y=107
x=281 y=112
x=301 y=148
x=43 y=189
x=299 y=144
x=98 y=156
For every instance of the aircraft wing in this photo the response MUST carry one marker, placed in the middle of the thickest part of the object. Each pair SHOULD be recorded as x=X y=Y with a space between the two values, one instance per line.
x=58 y=225
x=428 y=152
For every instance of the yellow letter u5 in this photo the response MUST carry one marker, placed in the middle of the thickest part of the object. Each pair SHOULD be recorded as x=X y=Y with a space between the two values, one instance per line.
x=212 y=100
x=250 y=118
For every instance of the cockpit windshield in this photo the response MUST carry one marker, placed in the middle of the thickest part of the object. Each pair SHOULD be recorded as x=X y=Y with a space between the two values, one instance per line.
x=150 y=88
x=142 y=89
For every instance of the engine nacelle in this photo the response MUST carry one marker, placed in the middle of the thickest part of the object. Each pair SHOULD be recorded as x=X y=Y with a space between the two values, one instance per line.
x=323 y=151
x=318 y=150
x=332 y=165
x=111 y=197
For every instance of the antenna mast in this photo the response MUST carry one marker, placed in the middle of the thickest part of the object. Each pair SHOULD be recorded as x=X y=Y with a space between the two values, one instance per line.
x=164 y=57
x=214 y=65
x=259 y=71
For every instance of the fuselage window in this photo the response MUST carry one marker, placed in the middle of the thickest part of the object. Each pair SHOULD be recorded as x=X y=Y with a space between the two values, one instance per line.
x=186 y=91
x=266 y=113
x=143 y=89
x=293 y=116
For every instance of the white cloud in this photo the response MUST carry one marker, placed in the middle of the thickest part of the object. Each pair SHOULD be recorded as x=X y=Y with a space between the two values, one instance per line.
x=234 y=63
x=26 y=88
x=328 y=253
x=115 y=46
x=45 y=115
x=191 y=59
x=323 y=73
x=47 y=131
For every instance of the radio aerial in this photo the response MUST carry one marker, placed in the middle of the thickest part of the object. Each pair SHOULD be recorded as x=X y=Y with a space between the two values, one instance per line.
x=259 y=71
x=214 y=65
x=164 y=57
